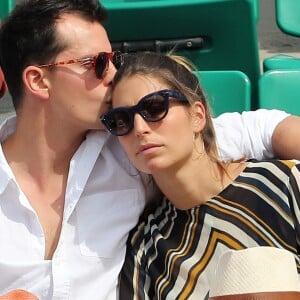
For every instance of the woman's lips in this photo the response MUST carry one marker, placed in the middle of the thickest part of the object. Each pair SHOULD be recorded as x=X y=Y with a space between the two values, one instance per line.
x=148 y=148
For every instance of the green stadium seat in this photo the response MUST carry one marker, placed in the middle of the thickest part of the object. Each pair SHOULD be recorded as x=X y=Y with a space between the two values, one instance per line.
x=5 y=7
x=256 y=9
x=281 y=62
x=288 y=16
x=280 y=89
x=226 y=91
x=214 y=34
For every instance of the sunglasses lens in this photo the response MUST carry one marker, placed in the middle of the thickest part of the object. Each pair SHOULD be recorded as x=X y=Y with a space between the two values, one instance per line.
x=118 y=122
x=153 y=108
x=118 y=59
x=101 y=65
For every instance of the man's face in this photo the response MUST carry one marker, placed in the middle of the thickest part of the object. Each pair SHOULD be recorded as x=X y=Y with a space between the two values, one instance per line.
x=78 y=97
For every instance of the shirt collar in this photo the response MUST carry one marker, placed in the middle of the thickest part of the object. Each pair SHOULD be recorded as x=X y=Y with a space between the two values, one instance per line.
x=4 y=175
x=6 y=129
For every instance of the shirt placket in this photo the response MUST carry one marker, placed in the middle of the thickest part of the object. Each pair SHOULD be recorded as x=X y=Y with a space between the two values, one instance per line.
x=61 y=281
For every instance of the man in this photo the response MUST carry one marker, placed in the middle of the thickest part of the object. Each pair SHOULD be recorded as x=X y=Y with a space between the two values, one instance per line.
x=64 y=218
x=68 y=194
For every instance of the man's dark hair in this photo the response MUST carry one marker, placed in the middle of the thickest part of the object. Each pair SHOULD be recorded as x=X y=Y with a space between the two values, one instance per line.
x=28 y=36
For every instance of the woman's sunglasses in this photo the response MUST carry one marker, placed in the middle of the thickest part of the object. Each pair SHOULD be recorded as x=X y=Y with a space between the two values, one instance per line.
x=99 y=62
x=152 y=107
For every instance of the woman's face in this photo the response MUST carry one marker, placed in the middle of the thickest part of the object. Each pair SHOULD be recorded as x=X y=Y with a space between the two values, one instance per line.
x=153 y=147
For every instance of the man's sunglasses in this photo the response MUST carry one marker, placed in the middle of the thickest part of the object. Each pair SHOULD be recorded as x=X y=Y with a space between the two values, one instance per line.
x=152 y=107
x=99 y=62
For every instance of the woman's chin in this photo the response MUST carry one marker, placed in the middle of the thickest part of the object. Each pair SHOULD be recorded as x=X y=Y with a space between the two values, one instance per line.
x=149 y=169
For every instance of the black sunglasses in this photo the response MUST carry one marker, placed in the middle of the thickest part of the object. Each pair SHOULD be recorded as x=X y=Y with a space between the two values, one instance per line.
x=99 y=62
x=152 y=107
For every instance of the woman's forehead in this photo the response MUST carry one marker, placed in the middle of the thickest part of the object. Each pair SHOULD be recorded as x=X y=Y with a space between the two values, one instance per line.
x=137 y=86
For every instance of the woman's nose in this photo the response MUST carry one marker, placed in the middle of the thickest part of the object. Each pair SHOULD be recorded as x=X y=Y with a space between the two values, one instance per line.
x=141 y=126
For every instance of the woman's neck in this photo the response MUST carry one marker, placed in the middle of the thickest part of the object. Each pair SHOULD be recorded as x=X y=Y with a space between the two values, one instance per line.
x=196 y=182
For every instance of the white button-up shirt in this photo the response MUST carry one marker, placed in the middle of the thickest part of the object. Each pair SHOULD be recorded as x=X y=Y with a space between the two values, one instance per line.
x=104 y=198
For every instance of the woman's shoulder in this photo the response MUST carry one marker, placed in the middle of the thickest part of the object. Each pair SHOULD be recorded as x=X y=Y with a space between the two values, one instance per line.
x=272 y=164
x=272 y=175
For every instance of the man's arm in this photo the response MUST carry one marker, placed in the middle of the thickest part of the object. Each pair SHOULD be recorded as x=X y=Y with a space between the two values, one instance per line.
x=250 y=134
x=286 y=138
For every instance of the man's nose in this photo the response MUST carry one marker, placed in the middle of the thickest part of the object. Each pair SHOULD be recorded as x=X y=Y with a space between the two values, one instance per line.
x=110 y=74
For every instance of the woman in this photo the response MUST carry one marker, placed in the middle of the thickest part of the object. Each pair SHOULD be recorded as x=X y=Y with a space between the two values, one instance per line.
x=163 y=122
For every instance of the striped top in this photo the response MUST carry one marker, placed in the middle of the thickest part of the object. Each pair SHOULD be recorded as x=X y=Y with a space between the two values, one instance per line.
x=172 y=253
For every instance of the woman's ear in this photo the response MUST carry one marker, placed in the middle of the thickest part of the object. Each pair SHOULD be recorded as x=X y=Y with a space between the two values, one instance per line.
x=199 y=116
x=36 y=82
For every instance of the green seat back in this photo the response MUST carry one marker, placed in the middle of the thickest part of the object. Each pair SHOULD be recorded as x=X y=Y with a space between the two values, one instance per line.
x=226 y=91
x=288 y=16
x=214 y=34
x=5 y=7
x=280 y=89
x=281 y=62
x=256 y=9
x=288 y=20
